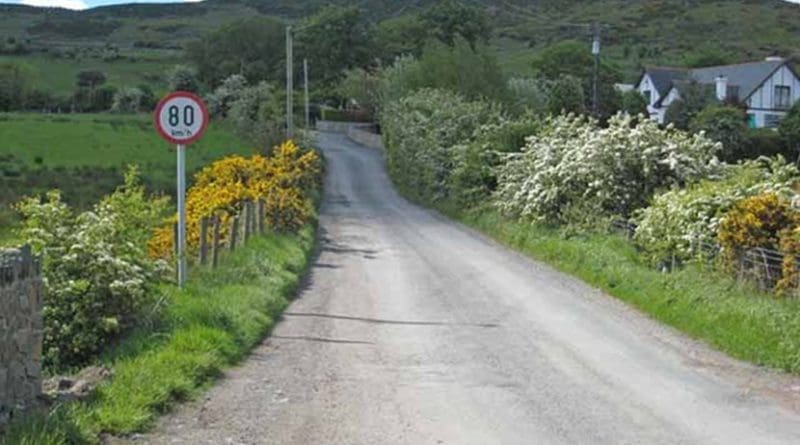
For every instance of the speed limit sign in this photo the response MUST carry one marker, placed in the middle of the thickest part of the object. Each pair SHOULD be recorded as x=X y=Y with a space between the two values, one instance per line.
x=181 y=118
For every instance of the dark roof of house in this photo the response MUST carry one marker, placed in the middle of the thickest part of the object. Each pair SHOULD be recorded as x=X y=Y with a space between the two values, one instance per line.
x=748 y=77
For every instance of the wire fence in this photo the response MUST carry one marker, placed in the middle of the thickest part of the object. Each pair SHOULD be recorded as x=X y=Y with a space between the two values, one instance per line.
x=763 y=267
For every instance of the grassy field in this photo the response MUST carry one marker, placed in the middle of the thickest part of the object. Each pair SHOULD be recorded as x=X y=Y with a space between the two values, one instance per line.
x=85 y=155
x=697 y=299
x=211 y=324
x=58 y=75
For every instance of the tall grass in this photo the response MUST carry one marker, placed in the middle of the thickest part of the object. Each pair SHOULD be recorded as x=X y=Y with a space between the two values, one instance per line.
x=212 y=323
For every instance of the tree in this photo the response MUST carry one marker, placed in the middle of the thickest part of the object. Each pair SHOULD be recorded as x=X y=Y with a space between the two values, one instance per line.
x=16 y=84
x=724 y=124
x=90 y=79
x=399 y=36
x=573 y=58
x=334 y=40
x=566 y=96
x=258 y=115
x=448 y=20
x=252 y=48
x=694 y=97
x=363 y=87
x=634 y=103
x=183 y=78
x=127 y=100
x=790 y=129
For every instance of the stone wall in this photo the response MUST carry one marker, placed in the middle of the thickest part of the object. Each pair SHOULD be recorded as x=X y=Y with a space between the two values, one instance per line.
x=366 y=136
x=20 y=331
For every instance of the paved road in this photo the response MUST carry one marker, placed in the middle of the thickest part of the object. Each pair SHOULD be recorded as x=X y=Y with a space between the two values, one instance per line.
x=414 y=330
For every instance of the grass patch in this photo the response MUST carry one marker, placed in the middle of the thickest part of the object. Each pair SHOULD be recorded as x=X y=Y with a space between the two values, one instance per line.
x=213 y=323
x=84 y=155
x=697 y=299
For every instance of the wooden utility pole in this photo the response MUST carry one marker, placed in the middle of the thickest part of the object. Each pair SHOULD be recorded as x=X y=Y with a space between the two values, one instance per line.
x=289 y=83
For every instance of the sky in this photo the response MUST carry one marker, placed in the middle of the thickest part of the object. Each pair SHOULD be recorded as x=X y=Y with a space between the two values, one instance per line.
x=83 y=4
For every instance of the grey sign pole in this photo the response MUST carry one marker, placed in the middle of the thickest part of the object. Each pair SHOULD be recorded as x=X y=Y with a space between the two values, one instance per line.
x=181 y=215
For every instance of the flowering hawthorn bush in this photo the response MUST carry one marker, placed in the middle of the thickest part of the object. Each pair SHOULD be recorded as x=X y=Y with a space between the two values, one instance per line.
x=98 y=276
x=283 y=180
x=682 y=224
x=573 y=169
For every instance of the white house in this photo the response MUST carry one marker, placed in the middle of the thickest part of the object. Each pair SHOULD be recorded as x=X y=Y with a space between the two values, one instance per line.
x=767 y=88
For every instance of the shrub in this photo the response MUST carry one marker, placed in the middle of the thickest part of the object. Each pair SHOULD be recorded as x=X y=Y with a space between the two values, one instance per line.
x=528 y=94
x=790 y=130
x=97 y=273
x=724 y=124
x=282 y=180
x=220 y=101
x=258 y=115
x=363 y=88
x=573 y=169
x=183 y=78
x=763 y=221
x=127 y=100
x=682 y=224
x=634 y=103
x=566 y=96
x=765 y=142
x=422 y=132
x=474 y=176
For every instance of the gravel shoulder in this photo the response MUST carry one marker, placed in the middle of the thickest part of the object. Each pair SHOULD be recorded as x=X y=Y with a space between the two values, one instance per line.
x=412 y=329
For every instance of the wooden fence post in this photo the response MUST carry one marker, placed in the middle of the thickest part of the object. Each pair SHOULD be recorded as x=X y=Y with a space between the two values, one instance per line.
x=261 y=215
x=203 y=241
x=215 y=246
x=248 y=216
x=234 y=232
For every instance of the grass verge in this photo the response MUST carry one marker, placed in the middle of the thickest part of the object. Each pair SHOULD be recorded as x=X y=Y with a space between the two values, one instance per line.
x=213 y=323
x=697 y=299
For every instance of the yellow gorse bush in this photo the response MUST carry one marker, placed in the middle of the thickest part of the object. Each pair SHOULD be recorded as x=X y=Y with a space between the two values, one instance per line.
x=283 y=181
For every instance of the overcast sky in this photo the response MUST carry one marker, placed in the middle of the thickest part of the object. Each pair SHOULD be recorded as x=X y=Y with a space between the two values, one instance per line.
x=83 y=4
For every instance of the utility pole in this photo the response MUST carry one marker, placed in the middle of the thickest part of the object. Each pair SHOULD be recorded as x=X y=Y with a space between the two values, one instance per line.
x=305 y=80
x=596 y=54
x=289 y=84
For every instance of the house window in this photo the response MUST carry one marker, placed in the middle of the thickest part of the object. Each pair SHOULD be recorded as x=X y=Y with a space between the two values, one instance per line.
x=783 y=97
x=648 y=96
x=772 y=120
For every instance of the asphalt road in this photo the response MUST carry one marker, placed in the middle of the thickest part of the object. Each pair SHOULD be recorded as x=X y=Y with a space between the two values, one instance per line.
x=414 y=330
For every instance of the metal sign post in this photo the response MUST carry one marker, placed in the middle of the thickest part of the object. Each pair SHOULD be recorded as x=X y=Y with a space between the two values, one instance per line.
x=181 y=118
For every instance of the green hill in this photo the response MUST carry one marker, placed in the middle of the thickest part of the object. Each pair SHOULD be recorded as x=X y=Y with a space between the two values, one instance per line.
x=635 y=32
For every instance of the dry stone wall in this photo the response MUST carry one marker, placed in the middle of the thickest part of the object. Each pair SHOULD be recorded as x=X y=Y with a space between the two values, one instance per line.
x=20 y=332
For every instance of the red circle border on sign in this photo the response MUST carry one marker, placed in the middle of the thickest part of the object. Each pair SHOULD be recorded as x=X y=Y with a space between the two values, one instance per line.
x=187 y=95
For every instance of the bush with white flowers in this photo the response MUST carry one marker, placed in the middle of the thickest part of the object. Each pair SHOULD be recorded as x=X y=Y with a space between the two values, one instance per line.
x=98 y=277
x=574 y=169
x=682 y=224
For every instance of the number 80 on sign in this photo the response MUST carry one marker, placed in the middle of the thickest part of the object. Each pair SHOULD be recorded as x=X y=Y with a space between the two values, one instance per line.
x=181 y=118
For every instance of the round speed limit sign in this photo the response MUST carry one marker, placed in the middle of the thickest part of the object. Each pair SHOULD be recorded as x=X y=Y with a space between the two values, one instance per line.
x=181 y=118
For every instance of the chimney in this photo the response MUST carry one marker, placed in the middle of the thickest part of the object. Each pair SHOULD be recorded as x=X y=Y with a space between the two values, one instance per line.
x=722 y=88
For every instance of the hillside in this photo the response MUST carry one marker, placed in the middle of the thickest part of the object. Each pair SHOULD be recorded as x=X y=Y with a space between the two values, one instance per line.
x=636 y=33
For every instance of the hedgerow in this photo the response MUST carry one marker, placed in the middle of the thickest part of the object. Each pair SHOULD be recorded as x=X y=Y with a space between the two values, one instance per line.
x=573 y=169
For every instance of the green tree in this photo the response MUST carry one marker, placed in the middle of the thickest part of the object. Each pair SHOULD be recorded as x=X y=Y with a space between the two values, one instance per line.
x=473 y=74
x=790 y=129
x=399 y=36
x=694 y=97
x=90 y=79
x=634 y=103
x=16 y=84
x=724 y=124
x=449 y=20
x=573 y=58
x=334 y=40
x=566 y=96
x=253 y=48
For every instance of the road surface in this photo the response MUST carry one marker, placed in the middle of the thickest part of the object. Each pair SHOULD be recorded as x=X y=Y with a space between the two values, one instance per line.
x=414 y=330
